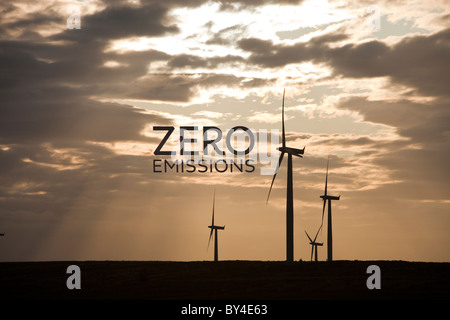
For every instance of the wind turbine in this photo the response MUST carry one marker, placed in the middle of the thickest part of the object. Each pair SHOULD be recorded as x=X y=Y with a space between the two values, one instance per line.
x=326 y=197
x=314 y=245
x=214 y=229
x=289 y=192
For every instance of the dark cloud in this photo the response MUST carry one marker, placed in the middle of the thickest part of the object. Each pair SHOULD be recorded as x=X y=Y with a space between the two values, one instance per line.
x=34 y=21
x=121 y=22
x=348 y=141
x=421 y=160
x=268 y=55
x=73 y=119
x=234 y=5
x=420 y=62
x=182 y=87
x=256 y=45
x=49 y=100
x=422 y=123
x=231 y=5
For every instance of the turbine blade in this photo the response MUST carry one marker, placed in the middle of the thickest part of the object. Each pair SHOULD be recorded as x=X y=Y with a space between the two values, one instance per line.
x=308 y=236
x=312 y=251
x=282 y=120
x=325 y=193
x=210 y=236
x=317 y=233
x=276 y=171
x=323 y=213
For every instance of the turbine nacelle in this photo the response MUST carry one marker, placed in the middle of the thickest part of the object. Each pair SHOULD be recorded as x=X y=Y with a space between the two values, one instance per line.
x=293 y=151
x=217 y=227
x=327 y=197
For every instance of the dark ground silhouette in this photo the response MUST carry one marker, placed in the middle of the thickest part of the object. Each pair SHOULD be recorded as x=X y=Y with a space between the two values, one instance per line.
x=225 y=280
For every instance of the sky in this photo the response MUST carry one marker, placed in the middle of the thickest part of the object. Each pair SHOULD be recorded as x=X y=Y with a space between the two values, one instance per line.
x=83 y=83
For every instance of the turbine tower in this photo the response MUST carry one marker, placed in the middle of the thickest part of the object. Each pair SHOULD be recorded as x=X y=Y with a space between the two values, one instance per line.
x=289 y=192
x=214 y=229
x=326 y=197
x=314 y=245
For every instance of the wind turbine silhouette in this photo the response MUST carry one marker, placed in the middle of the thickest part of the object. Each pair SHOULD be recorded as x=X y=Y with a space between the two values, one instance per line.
x=214 y=229
x=289 y=192
x=314 y=245
x=326 y=197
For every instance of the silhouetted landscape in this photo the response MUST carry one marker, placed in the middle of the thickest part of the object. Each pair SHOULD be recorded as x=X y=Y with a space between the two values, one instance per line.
x=225 y=280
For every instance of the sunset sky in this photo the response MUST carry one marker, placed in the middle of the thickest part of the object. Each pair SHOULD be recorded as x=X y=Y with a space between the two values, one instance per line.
x=77 y=108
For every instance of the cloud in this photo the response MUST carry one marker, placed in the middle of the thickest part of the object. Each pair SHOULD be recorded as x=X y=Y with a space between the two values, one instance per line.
x=226 y=35
x=191 y=61
x=121 y=22
x=75 y=120
x=421 y=159
x=50 y=100
x=235 y=5
x=209 y=114
x=419 y=61
x=265 y=117
x=422 y=123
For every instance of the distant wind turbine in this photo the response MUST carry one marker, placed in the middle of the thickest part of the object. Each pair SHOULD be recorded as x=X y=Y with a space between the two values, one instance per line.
x=289 y=192
x=314 y=245
x=214 y=229
x=326 y=197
